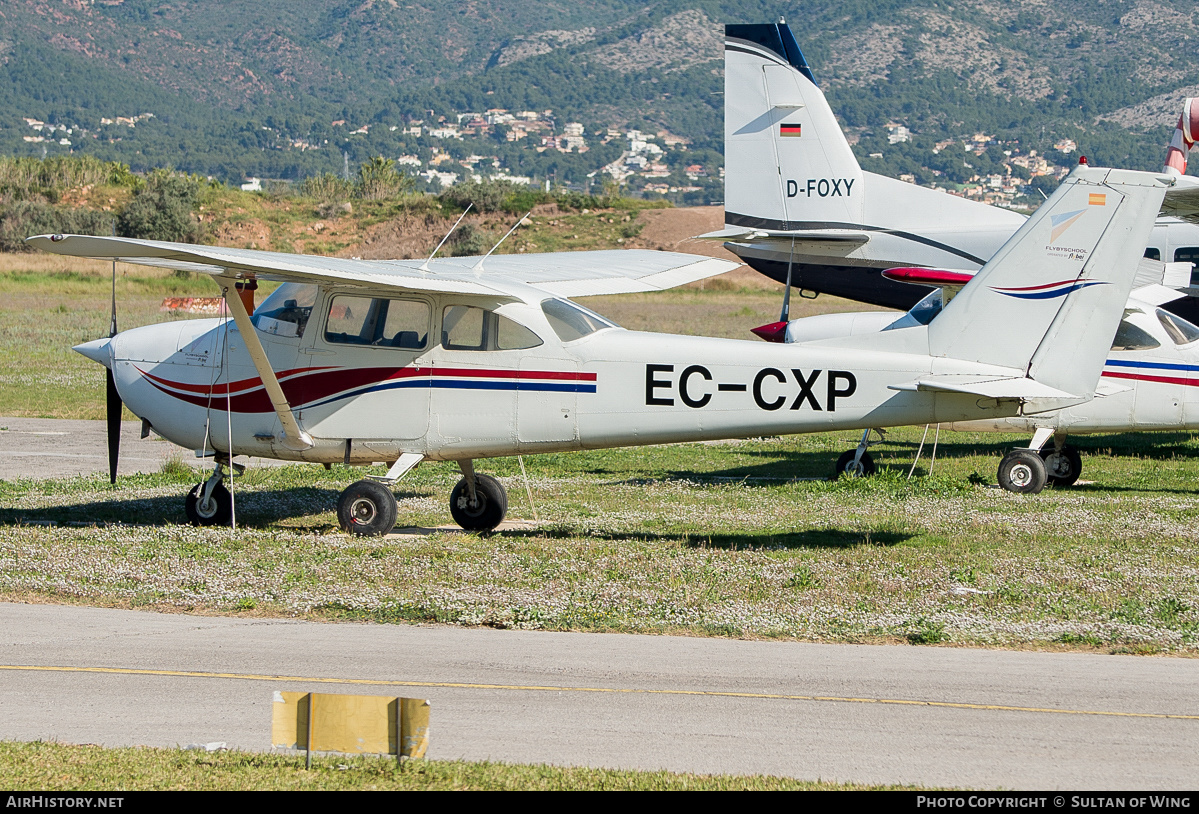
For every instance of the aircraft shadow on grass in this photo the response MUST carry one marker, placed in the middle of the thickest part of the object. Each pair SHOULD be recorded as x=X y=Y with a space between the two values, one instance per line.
x=255 y=509
x=782 y=465
x=804 y=538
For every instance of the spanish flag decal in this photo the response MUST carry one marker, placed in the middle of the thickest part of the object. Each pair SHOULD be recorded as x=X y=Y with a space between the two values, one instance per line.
x=789 y=129
x=1097 y=199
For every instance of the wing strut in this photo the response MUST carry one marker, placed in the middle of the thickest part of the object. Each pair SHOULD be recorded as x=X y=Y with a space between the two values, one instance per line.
x=294 y=438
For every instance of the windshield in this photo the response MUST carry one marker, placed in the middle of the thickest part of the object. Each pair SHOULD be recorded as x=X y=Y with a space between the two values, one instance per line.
x=922 y=312
x=285 y=312
x=1181 y=332
x=571 y=321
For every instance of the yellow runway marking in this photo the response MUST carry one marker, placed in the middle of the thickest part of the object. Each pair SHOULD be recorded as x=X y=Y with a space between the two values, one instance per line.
x=613 y=690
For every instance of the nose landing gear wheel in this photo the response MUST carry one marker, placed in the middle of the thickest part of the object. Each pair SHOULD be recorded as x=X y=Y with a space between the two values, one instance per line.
x=847 y=468
x=367 y=508
x=1022 y=471
x=488 y=508
x=217 y=511
x=1062 y=468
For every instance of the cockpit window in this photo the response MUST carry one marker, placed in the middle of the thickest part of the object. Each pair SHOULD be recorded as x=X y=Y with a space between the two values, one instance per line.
x=466 y=327
x=286 y=311
x=1130 y=337
x=571 y=321
x=378 y=321
x=1180 y=331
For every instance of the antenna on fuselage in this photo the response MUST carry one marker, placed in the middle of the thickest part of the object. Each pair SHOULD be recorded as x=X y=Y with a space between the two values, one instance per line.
x=479 y=266
x=786 y=315
x=425 y=266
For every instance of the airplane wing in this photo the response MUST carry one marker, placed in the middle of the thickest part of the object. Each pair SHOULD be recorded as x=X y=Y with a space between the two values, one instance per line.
x=1182 y=200
x=563 y=274
x=738 y=234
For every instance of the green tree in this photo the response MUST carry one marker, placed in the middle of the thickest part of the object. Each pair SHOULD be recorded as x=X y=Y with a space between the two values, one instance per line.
x=163 y=210
x=378 y=180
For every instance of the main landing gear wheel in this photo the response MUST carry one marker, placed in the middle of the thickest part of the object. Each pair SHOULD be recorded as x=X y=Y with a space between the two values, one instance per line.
x=1022 y=471
x=1062 y=467
x=488 y=508
x=216 y=511
x=367 y=508
x=848 y=467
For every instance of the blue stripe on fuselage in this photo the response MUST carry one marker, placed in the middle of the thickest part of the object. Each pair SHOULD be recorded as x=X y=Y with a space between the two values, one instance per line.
x=460 y=384
x=1153 y=365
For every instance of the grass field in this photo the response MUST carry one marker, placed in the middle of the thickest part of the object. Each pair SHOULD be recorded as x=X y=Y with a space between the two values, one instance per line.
x=698 y=539
x=44 y=767
x=738 y=539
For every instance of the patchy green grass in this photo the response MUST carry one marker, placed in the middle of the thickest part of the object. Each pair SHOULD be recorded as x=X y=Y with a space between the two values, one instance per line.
x=705 y=539
x=44 y=767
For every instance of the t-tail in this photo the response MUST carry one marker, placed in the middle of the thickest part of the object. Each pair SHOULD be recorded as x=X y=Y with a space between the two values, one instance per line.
x=798 y=204
x=786 y=160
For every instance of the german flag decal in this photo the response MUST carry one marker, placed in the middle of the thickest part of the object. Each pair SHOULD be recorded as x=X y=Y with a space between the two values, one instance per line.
x=789 y=130
x=1097 y=199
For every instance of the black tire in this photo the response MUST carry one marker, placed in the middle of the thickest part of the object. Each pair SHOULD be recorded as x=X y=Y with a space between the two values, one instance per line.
x=491 y=504
x=367 y=508
x=845 y=465
x=218 y=512
x=1022 y=471
x=1061 y=468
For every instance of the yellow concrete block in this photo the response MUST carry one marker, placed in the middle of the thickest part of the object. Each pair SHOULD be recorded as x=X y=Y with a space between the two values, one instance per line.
x=355 y=724
x=289 y=720
x=414 y=727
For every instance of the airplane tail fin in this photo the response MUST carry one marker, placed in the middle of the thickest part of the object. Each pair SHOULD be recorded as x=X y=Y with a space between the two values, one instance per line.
x=786 y=160
x=1042 y=302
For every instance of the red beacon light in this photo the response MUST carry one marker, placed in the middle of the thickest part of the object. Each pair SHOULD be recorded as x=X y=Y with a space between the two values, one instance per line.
x=1082 y=159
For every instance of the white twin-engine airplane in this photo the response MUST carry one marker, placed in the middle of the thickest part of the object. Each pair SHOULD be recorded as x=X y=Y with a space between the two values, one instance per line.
x=799 y=207
x=458 y=359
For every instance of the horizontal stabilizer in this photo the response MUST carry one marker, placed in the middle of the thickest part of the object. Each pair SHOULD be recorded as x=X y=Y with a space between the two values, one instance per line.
x=780 y=238
x=1017 y=388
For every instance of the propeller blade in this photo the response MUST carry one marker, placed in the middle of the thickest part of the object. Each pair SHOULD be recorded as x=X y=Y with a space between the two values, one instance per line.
x=114 y=427
x=113 y=409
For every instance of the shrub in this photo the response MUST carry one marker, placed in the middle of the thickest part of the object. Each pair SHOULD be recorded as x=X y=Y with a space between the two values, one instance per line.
x=378 y=180
x=486 y=195
x=25 y=218
x=327 y=187
x=469 y=240
x=163 y=210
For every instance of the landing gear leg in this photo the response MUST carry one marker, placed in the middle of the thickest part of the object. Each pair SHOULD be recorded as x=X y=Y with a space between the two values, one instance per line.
x=209 y=503
x=855 y=463
x=478 y=502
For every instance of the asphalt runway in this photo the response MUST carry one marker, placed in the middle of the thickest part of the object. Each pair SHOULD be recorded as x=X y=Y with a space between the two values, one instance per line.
x=919 y=715
x=54 y=448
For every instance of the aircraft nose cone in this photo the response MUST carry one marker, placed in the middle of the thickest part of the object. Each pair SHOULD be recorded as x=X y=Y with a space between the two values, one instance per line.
x=98 y=350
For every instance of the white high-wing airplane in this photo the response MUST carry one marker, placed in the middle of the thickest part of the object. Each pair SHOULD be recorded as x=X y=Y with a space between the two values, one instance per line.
x=798 y=205
x=459 y=359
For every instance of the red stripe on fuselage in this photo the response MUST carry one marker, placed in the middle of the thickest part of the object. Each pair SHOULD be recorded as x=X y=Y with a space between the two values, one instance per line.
x=324 y=382
x=234 y=387
x=1141 y=377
